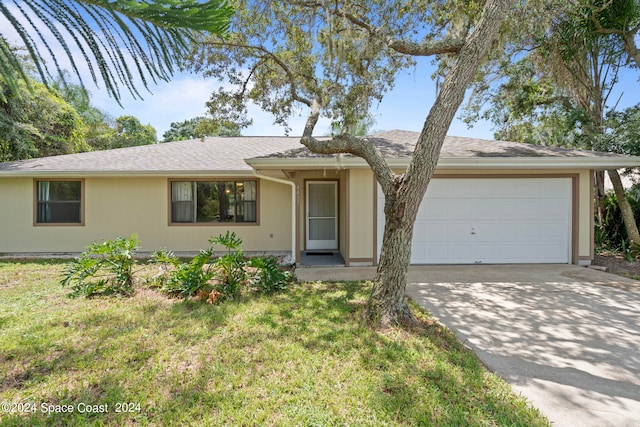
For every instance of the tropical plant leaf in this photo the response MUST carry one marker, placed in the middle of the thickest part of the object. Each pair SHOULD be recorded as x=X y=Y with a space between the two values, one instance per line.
x=121 y=42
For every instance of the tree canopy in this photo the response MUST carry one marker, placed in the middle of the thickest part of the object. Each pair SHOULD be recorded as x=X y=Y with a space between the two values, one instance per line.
x=199 y=127
x=37 y=123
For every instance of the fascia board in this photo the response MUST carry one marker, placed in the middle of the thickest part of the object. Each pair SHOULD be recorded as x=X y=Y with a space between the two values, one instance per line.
x=613 y=162
x=125 y=174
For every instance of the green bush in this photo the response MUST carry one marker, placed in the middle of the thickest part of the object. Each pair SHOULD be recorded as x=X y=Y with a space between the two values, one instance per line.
x=269 y=277
x=225 y=277
x=230 y=267
x=103 y=269
x=610 y=234
x=160 y=268
x=191 y=277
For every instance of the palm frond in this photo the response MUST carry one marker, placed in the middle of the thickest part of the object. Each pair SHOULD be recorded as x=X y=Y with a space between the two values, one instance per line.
x=121 y=42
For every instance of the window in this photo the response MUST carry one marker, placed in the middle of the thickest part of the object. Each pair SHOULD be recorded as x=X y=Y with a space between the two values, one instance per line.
x=213 y=201
x=58 y=202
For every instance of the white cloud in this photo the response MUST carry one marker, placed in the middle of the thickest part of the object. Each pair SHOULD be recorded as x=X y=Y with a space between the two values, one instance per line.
x=180 y=99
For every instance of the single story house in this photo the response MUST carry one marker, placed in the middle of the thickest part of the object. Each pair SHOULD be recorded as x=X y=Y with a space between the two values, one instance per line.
x=489 y=202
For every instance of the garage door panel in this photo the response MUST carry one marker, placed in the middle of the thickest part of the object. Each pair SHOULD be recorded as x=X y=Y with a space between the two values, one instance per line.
x=434 y=209
x=459 y=230
x=421 y=230
x=509 y=209
x=483 y=209
x=484 y=252
x=460 y=254
x=492 y=220
x=419 y=251
x=506 y=230
x=482 y=230
x=438 y=253
x=553 y=253
x=459 y=209
x=508 y=252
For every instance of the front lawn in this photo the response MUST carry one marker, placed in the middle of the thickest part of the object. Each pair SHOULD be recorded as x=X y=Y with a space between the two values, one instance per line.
x=302 y=357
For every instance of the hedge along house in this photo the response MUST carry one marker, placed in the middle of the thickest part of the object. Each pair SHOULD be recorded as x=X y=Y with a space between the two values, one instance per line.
x=489 y=202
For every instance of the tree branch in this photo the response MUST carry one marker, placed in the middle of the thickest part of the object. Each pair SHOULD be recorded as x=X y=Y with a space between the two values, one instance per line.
x=437 y=47
x=350 y=144
x=290 y=75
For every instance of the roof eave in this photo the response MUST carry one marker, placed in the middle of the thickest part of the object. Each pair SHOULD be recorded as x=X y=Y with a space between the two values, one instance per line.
x=596 y=163
x=124 y=174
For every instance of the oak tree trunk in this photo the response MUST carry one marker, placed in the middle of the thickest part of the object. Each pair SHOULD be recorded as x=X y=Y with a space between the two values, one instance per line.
x=388 y=304
x=625 y=208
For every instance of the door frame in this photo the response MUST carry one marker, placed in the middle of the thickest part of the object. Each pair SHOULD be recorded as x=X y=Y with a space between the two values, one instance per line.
x=333 y=246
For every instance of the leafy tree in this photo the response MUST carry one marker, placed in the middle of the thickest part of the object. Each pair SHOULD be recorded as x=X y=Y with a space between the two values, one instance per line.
x=98 y=125
x=80 y=98
x=199 y=127
x=119 y=40
x=623 y=136
x=616 y=17
x=127 y=131
x=558 y=94
x=37 y=123
x=336 y=59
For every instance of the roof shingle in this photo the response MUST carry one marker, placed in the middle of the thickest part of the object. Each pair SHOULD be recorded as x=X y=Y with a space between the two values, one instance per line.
x=228 y=154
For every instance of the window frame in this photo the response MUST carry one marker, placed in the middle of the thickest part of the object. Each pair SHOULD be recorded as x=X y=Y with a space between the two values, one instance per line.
x=36 y=201
x=213 y=223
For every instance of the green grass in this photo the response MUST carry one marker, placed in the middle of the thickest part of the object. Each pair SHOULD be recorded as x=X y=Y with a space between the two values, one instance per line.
x=304 y=357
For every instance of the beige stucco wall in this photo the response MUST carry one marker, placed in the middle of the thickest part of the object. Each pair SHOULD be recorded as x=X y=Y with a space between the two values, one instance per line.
x=121 y=206
x=361 y=214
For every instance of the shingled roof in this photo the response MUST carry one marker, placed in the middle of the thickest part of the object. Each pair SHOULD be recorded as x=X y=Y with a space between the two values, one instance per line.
x=239 y=155
x=224 y=154
x=397 y=144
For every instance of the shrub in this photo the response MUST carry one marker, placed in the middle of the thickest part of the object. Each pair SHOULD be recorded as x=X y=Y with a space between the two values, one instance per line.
x=223 y=278
x=191 y=277
x=103 y=269
x=203 y=275
x=230 y=272
x=160 y=267
x=269 y=277
x=610 y=234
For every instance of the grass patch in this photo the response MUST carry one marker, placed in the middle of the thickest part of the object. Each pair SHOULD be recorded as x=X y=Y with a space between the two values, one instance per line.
x=302 y=357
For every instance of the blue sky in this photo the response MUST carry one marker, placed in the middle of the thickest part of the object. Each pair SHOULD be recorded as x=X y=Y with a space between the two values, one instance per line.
x=405 y=107
x=184 y=97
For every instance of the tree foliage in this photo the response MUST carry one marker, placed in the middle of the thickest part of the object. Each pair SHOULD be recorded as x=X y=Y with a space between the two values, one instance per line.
x=118 y=40
x=37 y=123
x=126 y=131
x=199 y=127
x=555 y=87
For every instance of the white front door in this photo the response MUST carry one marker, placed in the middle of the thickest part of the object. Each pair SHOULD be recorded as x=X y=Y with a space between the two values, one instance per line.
x=322 y=215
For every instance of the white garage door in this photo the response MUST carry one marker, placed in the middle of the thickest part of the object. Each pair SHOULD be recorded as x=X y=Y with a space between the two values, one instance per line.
x=491 y=220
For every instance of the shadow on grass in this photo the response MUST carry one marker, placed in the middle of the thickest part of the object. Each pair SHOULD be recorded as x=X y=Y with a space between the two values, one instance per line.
x=241 y=353
x=421 y=375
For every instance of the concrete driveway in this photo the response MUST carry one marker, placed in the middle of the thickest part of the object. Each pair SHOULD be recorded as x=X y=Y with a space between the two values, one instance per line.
x=565 y=337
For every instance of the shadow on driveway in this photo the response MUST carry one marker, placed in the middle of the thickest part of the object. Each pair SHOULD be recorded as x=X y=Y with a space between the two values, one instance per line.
x=566 y=337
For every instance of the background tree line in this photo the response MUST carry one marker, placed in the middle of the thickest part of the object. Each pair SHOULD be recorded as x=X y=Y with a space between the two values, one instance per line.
x=38 y=120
